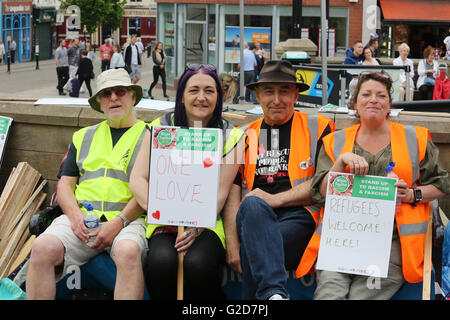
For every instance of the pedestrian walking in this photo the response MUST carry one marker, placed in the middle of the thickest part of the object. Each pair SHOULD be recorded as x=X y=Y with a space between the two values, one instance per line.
x=85 y=71
x=62 y=66
x=105 y=55
x=133 y=60
x=159 y=62
x=2 y=50
x=12 y=49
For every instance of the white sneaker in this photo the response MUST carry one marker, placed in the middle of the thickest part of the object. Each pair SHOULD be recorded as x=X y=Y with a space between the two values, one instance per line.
x=277 y=297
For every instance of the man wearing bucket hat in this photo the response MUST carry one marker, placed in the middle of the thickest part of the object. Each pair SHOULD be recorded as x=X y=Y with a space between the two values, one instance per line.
x=270 y=199
x=95 y=175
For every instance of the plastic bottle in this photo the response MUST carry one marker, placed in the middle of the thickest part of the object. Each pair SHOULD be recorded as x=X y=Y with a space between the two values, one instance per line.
x=391 y=174
x=91 y=221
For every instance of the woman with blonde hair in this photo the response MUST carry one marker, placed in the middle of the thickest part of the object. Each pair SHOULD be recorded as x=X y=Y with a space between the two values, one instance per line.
x=402 y=60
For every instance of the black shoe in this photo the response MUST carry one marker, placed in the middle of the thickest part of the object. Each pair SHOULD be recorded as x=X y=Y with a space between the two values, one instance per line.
x=62 y=94
x=166 y=96
x=152 y=97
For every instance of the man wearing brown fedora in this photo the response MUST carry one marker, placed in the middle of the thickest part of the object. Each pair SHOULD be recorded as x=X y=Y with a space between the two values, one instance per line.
x=270 y=200
x=94 y=178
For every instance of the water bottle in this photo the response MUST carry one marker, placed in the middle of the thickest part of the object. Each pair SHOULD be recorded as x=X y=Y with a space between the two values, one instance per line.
x=391 y=174
x=91 y=221
x=145 y=94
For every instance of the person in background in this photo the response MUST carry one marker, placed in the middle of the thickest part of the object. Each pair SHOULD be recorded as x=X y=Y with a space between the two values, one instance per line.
x=367 y=148
x=133 y=60
x=355 y=55
x=105 y=55
x=85 y=71
x=2 y=50
x=74 y=56
x=249 y=65
x=198 y=104
x=368 y=59
x=62 y=66
x=159 y=69
x=402 y=60
x=428 y=69
x=91 y=54
x=12 y=49
x=117 y=58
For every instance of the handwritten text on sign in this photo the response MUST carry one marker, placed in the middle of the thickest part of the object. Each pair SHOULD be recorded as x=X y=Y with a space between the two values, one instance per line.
x=184 y=175
x=357 y=226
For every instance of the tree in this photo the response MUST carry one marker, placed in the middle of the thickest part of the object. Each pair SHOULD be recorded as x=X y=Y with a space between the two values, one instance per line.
x=94 y=13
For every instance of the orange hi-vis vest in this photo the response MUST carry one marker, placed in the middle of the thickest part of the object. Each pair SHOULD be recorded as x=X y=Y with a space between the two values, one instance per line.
x=306 y=130
x=408 y=144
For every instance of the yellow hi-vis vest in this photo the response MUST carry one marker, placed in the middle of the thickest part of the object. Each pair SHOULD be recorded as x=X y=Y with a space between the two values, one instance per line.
x=231 y=136
x=104 y=170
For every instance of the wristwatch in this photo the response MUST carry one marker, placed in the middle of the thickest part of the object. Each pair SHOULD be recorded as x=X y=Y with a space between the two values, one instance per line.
x=417 y=195
x=124 y=220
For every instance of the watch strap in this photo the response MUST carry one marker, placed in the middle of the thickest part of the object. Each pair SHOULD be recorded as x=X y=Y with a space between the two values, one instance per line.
x=125 y=221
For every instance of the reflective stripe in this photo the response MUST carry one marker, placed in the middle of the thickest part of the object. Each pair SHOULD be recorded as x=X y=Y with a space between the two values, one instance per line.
x=313 y=208
x=137 y=147
x=409 y=229
x=319 y=227
x=86 y=146
x=296 y=182
x=413 y=150
x=107 y=206
x=339 y=142
x=100 y=173
x=313 y=127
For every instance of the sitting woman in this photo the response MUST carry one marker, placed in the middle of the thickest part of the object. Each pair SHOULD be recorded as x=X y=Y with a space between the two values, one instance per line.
x=198 y=104
x=402 y=60
x=427 y=69
x=368 y=59
x=366 y=149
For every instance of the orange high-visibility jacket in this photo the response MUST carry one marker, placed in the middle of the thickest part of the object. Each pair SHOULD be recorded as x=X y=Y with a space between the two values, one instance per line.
x=306 y=130
x=408 y=144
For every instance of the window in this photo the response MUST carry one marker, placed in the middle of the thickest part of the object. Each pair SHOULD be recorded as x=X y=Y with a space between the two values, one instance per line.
x=134 y=26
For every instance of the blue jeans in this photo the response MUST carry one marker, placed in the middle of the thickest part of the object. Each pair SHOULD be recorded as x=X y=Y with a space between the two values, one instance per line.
x=272 y=241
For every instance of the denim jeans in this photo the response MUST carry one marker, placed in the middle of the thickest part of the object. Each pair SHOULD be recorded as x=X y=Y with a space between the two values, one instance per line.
x=272 y=241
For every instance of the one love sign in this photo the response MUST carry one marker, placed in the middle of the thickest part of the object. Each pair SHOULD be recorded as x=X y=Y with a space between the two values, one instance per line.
x=184 y=176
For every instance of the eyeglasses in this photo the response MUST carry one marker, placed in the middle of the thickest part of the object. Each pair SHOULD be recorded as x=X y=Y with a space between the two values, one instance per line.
x=118 y=91
x=196 y=66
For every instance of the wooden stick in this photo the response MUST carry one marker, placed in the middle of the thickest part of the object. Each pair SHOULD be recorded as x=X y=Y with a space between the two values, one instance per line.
x=234 y=115
x=180 y=277
x=425 y=114
x=23 y=254
x=426 y=285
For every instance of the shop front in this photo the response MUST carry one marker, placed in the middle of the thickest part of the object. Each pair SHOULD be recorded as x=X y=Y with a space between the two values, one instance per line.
x=206 y=33
x=16 y=25
x=418 y=23
x=44 y=31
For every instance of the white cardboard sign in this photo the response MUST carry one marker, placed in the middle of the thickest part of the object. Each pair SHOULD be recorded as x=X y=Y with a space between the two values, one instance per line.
x=357 y=226
x=184 y=176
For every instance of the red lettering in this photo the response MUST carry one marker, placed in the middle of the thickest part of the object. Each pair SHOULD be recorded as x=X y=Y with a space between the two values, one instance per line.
x=194 y=192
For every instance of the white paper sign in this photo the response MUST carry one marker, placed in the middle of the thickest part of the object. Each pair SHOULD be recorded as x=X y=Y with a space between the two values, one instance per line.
x=357 y=226
x=5 y=125
x=184 y=176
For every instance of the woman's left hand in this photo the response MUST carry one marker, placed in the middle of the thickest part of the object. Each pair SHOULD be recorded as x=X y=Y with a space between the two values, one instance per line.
x=186 y=239
x=403 y=192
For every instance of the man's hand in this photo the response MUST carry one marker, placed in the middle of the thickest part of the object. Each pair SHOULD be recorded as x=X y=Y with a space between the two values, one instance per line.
x=78 y=227
x=106 y=233
x=271 y=199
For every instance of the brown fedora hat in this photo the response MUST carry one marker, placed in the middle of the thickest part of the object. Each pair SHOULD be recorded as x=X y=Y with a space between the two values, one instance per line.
x=276 y=71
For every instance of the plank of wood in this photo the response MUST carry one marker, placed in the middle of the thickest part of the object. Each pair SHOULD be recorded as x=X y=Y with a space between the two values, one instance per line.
x=23 y=254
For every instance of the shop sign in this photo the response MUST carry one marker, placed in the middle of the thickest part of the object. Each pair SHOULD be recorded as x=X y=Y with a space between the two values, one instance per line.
x=17 y=7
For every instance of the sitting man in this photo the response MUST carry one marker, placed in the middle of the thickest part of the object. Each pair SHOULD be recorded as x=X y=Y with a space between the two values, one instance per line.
x=268 y=231
x=96 y=171
x=355 y=55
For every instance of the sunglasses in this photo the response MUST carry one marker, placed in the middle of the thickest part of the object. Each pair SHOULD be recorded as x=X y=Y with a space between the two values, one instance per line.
x=196 y=66
x=118 y=91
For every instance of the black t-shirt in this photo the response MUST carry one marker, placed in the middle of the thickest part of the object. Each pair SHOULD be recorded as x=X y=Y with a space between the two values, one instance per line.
x=271 y=173
x=70 y=167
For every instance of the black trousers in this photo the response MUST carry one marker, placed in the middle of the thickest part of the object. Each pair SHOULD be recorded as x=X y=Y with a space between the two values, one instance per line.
x=86 y=79
x=158 y=72
x=426 y=92
x=202 y=267
x=63 y=77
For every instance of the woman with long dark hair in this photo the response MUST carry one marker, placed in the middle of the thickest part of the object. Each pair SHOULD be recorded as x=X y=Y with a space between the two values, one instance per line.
x=159 y=60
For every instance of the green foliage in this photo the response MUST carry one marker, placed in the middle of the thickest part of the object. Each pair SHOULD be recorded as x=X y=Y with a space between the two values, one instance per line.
x=93 y=13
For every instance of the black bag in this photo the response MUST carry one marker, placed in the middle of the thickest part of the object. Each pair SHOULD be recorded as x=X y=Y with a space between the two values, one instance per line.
x=75 y=92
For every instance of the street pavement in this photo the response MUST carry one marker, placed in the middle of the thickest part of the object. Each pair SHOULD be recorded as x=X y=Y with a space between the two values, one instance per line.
x=24 y=81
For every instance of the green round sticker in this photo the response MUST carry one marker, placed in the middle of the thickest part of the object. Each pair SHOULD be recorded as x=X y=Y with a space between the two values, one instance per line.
x=165 y=137
x=341 y=184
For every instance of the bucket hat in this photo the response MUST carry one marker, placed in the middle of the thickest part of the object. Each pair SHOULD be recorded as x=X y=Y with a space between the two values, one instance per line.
x=276 y=71
x=113 y=78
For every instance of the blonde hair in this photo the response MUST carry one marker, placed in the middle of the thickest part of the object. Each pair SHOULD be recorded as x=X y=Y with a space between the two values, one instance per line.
x=403 y=46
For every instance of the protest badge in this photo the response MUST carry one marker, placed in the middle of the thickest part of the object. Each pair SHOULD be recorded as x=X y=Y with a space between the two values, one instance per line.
x=5 y=125
x=184 y=176
x=357 y=226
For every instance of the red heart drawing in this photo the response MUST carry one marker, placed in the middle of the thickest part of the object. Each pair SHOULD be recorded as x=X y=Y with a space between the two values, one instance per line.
x=207 y=162
x=156 y=214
